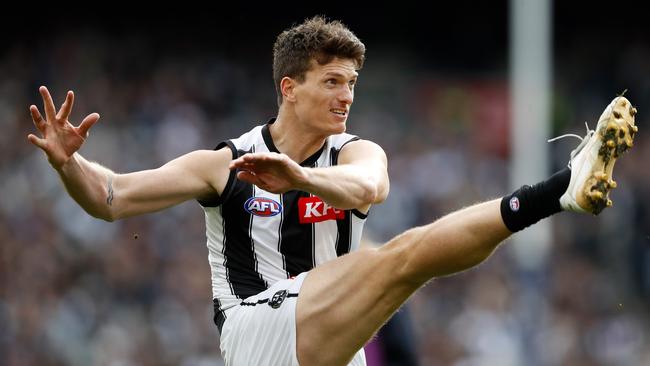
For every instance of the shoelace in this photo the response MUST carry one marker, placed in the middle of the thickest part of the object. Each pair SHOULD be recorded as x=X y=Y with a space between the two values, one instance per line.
x=583 y=142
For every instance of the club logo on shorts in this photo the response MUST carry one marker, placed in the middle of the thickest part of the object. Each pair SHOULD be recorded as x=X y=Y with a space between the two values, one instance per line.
x=313 y=209
x=262 y=206
x=277 y=299
x=514 y=204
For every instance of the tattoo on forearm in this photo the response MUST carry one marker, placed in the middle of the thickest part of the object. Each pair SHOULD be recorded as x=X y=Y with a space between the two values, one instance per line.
x=109 y=199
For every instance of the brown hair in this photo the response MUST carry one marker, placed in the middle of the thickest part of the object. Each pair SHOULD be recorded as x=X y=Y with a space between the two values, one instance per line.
x=316 y=38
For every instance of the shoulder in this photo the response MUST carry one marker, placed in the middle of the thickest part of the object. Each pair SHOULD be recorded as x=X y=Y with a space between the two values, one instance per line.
x=338 y=141
x=213 y=166
x=361 y=149
x=246 y=140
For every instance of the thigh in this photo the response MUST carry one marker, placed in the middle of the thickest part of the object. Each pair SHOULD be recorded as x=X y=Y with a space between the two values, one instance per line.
x=262 y=331
x=343 y=302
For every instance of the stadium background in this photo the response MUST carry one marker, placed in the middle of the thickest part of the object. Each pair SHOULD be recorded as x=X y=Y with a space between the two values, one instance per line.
x=434 y=94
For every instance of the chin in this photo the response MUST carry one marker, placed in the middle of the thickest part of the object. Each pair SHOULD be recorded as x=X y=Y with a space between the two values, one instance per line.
x=329 y=127
x=339 y=127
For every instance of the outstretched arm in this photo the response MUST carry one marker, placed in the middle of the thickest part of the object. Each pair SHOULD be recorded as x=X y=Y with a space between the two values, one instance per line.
x=111 y=196
x=360 y=179
x=108 y=195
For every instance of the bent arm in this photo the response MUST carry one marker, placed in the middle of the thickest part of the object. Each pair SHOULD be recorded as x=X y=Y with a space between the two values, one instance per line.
x=360 y=179
x=110 y=196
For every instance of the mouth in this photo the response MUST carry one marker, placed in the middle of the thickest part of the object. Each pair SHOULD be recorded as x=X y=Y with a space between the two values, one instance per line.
x=339 y=111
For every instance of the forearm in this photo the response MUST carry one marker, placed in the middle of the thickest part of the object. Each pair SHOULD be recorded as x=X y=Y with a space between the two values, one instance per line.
x=90 y=185
x=344 y=186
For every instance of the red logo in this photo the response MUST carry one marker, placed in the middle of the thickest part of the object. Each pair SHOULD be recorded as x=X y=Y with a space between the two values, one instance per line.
x=313 y=209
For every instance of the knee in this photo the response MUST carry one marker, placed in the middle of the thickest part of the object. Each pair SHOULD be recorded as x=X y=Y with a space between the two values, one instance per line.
x=397 y=261
x=401 y=258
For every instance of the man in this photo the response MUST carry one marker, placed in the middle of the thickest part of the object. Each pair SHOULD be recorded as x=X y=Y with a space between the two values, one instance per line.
x=285 y=201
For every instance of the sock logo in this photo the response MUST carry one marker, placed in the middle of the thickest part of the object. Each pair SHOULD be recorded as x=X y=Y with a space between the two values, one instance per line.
x=514 y=204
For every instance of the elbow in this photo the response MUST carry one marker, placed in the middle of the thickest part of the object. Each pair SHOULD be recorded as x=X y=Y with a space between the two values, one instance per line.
x=376 y=193
x=381 y=195
x=106 y=214
x=108 y=218
x=376 y=188
x=112 y=214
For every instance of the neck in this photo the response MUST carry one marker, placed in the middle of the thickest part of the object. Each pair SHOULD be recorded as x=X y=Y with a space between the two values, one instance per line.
x=293 y=139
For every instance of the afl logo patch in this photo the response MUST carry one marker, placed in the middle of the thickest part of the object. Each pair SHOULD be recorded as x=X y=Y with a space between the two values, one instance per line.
x=278 y=299
x=514 y=204
x=261 y=206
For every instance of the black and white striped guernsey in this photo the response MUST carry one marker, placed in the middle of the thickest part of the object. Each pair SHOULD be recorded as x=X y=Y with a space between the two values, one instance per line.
x=256 y=238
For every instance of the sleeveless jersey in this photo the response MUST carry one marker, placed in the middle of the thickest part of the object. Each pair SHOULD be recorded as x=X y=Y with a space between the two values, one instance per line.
x=256 y=238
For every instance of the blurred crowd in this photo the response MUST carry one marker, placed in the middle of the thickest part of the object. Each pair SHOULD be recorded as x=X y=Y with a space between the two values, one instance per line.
x=79 y=291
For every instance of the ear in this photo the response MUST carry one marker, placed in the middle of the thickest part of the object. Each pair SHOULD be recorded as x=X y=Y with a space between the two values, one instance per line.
x=287 y=87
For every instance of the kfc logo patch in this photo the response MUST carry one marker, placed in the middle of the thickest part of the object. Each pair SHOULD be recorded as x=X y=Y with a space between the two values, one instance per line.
x=261 y=206
x=313 y=209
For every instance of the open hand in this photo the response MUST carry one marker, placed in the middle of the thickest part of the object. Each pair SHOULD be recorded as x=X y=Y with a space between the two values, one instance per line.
x=60 y=139
x=273 y=172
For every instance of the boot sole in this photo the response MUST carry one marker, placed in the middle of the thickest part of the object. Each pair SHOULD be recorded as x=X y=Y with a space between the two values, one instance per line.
x=615 y=137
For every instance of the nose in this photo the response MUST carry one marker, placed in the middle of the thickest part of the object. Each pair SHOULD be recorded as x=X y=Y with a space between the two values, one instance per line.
x=346 y=95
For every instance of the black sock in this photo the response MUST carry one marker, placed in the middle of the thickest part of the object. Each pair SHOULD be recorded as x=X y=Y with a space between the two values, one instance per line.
x=527 y=205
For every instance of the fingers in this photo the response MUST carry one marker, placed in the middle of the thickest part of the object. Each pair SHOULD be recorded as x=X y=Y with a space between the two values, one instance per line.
x=241 y=164
x=260 y=156
x=252 y=159
x=37 y=141
x=37 y=119
x=238 y=163
x=252 y=178
x=87 y=123
x=66 y=107
x=259 y=181
x=48 y=104
x=248 y=177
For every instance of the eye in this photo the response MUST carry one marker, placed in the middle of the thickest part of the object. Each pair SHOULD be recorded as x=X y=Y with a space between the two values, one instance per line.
x=353 y=82
x=331 y=81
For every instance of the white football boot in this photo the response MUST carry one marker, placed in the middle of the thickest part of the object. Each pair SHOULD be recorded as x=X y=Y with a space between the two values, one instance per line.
x=593 y=160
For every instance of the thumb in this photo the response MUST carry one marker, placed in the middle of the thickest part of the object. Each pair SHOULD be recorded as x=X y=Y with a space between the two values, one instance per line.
x=37 y=141
x=87 y=123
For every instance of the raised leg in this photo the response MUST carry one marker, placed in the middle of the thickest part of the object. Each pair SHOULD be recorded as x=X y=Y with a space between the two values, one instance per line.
x=344 y=302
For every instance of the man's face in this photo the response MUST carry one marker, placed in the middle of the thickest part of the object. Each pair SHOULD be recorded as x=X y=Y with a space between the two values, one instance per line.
x=323 y=100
